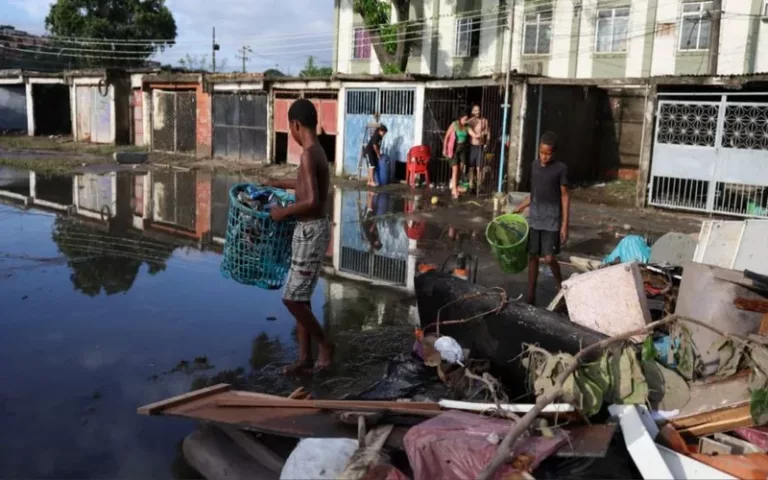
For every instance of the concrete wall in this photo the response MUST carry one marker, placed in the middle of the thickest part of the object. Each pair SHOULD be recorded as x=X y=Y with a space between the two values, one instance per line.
x=438 y=37
x=13 y=108
x=653 y=40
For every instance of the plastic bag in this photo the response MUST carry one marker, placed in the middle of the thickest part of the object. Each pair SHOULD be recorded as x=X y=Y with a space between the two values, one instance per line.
x=632 y=248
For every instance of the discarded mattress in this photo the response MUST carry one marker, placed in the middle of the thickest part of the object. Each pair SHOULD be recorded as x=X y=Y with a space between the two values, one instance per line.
x=458 y=445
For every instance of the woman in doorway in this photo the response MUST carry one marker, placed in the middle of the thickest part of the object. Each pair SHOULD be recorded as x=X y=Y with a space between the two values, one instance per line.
x=456 y=147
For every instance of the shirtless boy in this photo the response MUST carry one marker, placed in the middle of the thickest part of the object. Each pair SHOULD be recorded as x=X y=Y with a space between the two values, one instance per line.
x=479 y=136
x=311 y=237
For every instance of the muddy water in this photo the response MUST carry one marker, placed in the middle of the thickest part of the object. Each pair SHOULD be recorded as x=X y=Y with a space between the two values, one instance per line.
x=101 y=307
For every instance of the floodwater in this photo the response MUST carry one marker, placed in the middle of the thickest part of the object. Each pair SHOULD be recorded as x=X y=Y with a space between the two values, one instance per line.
x=116 y=301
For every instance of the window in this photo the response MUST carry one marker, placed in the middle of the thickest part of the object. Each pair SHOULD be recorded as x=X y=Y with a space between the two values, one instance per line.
x=362 y=45
x=695 y=26
x=467 y=37
x=612 y=26
x=537 y=33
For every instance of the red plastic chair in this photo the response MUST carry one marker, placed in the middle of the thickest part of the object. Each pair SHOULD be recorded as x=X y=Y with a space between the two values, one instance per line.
x=417 y=164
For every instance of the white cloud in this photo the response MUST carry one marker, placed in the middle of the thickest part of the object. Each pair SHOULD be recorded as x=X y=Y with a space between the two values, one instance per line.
x=279 y=32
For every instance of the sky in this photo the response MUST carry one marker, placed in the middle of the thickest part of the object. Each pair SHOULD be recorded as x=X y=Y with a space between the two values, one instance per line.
x=280 y=33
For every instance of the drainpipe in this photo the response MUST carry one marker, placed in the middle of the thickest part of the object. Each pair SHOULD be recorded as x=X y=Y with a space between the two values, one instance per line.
x=505 y=117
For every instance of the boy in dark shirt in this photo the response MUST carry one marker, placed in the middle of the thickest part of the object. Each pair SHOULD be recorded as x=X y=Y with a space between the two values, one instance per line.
x=550 y=208
x=373 y=154
x=311 y=236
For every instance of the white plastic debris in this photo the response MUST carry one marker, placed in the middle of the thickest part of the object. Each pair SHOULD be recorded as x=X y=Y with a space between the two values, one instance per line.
x=321 y=458
x=450 y=350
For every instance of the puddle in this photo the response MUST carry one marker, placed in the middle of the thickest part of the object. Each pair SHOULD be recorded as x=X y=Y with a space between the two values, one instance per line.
x=112 y=298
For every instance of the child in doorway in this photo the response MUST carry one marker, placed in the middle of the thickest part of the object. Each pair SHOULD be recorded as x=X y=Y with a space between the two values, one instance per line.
x=373 y=154
x=550 y=210
x=311 y=236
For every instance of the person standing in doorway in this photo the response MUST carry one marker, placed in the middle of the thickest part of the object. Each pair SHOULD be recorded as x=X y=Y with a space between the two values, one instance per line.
x=373 y=154
x=550 y=210
x=311 y=236
x=480 y=135
x=456 y=147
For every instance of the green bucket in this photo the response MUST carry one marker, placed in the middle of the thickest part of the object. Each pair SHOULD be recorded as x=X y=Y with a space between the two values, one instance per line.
x=508 y=236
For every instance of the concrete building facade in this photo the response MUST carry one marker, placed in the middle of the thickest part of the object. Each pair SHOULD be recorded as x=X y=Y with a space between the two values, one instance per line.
x=565 y=38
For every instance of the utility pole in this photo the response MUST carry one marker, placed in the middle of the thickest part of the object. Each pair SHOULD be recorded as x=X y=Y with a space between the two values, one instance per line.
x=714 y=36
x=505 y=117
x=244 y=55
x=214 y=48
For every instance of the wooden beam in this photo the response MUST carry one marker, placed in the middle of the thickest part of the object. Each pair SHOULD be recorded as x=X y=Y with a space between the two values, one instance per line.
x=349 y=405
x=157 y=407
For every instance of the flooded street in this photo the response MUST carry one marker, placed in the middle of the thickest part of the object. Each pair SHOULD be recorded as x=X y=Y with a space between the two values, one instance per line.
x=113 y=297
x=100 y=317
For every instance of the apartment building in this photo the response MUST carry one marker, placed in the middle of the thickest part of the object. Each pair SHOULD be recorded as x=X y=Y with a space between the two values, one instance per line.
x=566 y=38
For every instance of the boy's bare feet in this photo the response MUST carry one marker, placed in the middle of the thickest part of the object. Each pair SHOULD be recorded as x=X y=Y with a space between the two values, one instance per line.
x=298 y=367
x=325 y=356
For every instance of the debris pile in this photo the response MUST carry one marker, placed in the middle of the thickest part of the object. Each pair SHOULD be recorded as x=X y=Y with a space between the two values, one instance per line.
x=661 y=344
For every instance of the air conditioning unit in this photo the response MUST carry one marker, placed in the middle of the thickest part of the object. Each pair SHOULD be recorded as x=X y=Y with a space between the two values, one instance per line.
x=533 y=68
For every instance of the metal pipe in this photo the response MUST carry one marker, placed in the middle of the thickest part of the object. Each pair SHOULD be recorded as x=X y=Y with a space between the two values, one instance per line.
x=505 y=116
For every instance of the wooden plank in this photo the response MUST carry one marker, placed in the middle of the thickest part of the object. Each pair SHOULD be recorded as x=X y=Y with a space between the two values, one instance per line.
x=720 y=421
x=154 y=408
x=247 y=399
x=402 y=409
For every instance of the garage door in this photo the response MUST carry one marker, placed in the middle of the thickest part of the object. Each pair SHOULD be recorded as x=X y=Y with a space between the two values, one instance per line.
x=240 y=126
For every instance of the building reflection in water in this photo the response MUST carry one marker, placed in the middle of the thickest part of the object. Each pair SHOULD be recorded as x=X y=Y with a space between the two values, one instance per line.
x=371 y=240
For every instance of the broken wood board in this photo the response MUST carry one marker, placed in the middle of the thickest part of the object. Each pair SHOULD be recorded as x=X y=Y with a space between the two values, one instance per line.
x=287 y=422
x=723 y=420
x=248 y=399
x=610 y=300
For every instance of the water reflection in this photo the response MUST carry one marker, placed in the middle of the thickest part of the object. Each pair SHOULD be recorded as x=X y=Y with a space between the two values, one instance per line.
x=152 y=238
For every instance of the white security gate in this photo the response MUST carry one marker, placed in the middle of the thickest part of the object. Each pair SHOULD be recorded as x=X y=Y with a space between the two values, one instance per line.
x=710 y=154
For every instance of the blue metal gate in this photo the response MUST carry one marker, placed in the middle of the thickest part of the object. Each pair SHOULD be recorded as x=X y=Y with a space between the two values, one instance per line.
x=392 y=107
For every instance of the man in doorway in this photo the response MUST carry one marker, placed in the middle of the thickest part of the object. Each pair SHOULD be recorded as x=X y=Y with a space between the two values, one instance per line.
x=479 y=139
x=550 y=210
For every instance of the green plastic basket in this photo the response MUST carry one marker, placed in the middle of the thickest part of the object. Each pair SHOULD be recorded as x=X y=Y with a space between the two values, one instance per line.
x=508 y=237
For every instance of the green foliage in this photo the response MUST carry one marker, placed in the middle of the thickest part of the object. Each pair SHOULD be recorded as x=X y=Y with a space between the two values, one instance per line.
x=374 y=12
x=201 y=63
x=758 y=406
x=386 y=37
x=136 y=20
x=312 y=70
x=649 y=351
